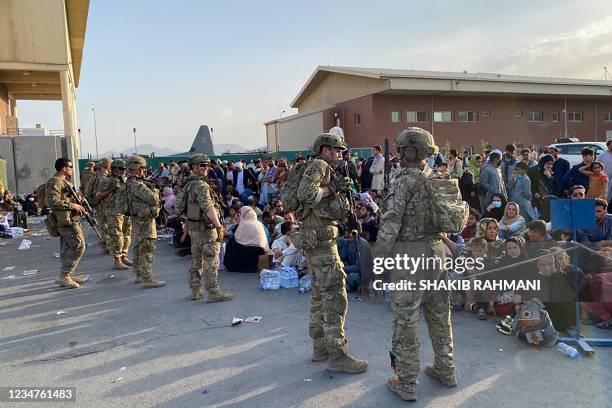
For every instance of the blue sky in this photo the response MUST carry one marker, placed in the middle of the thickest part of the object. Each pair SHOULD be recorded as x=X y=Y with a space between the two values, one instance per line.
x=167 y=67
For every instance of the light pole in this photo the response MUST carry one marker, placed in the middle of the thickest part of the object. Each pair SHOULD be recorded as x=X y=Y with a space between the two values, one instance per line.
x=80 y=145
x=135 y=148
x=95 y=132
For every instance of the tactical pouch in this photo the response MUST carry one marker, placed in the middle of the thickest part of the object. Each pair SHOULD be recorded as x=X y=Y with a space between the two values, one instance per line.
x=51 y=224
x=193 y=212
x=326 y=233
x=305 y=239
x=62 y=218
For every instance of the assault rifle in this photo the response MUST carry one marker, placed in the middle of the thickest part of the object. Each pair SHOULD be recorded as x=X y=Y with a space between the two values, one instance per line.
x=82 y=201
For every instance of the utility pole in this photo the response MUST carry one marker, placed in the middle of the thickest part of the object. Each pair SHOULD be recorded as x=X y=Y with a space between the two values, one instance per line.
x=135 y=148
x=80 y=145
x=95 y=132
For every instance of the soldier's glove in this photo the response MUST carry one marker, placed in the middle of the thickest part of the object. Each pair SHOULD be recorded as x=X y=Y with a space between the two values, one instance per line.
x=220 y=234
x=340 y=184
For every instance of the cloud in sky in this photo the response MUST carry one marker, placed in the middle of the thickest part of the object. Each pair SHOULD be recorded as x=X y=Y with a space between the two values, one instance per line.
x=234 y=65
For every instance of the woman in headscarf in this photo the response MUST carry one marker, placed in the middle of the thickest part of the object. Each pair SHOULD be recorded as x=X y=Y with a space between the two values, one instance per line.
x=512 y=223
x=488 y=229
x=468 y=183
x=543 y=185
x=169 y=200
x=249 y=242
x=496 y=208
x=367 y=199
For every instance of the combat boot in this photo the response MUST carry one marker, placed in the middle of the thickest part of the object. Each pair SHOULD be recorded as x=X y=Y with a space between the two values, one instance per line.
x=340 y=360
x=78 y=279
x=118 y=264
x=126 y=261
x=449 y=381
x=66 y=281
x=196 y=293
x=218 y=296
x=407 y=393
x=319 y=351
x=138 y=279
x=153 y=283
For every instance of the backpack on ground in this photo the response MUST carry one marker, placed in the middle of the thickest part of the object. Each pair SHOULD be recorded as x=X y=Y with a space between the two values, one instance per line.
x=289 y=191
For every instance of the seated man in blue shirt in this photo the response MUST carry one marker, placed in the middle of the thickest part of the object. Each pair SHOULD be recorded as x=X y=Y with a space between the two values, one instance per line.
x=603 y=223
x=352 y=257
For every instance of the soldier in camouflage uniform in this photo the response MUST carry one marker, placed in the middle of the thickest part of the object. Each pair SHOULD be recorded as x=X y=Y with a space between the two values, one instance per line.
x=65 y=214
x=92 y=188
x=143 y=204
x=320 y=193
x=406 y=228
x=205 y=229
x=118 y=225
x=86 y=175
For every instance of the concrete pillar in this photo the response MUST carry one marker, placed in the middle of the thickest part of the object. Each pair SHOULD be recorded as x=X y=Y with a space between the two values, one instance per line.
x=13 y=106
x=70 y=122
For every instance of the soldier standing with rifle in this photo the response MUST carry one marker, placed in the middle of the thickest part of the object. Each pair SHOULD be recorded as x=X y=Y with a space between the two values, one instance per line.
x=65 y=212
x=324 y=205
x=200 y=205
x=118 y=225
x=143 y=205
x=91 y=189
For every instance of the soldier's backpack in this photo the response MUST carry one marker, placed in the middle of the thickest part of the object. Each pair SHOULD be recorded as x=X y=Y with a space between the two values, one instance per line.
x=289 y=191
x=41 y=196
x=122 y=203
x=449 y=213
x=90 y=189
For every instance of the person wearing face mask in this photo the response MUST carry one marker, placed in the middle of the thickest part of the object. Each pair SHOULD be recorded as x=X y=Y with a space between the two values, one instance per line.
x=521 y=191
x=496 y=208
x=30 y=206
x=491 y=181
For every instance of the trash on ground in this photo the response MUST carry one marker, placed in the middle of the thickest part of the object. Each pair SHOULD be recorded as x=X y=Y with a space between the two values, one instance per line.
x=117 y=379
x=123 y=369
x=112 y=276
x=9 y=277
x=88 y=278
x=25 y=244
x=307 y=379
x=36 y=234
x=61 y=312
x=204 y=392
x=56 y=254
x=253 y=319
x=236 y=321
x=8 y=268
x=30 y=272
x=500 y=349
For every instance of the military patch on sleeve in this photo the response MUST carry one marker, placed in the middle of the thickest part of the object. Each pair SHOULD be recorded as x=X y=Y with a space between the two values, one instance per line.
x=311 y=171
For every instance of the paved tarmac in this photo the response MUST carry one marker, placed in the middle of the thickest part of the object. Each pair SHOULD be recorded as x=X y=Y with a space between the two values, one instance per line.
x=124 y=346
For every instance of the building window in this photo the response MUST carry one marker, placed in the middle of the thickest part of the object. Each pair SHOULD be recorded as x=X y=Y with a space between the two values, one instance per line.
x=395 y=116
x=467 y=116
x=535 y=117
x=608 y=116
x=413 y=116
x=443 y=116
x=574 y=116
x=358 y=119
x=555 y=116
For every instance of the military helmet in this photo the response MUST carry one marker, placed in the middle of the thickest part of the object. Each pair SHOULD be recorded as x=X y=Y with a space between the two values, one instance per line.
x=105 y=162
x=118 y=164
x=328 y=139
x=136 y=162
x=420 y=144
x=199 y=158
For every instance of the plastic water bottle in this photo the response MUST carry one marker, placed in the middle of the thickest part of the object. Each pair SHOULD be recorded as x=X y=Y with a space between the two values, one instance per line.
x=567 y=350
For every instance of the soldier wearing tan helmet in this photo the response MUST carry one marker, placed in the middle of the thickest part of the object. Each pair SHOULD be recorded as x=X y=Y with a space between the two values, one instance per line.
x=324 y=205
x=199 y=204
x=142 y=205
x=118 y=225
x=414 y=224
x=92 y=188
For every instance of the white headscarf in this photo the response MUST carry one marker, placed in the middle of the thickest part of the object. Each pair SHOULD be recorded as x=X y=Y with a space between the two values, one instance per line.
x=368 y=200
x=250 y=232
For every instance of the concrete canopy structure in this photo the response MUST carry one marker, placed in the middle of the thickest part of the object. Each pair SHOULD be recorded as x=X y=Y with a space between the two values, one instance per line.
x=41 y=52
x=461 y=108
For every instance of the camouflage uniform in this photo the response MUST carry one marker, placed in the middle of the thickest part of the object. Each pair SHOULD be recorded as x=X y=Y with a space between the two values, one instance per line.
x=91 y=189
x=72 y=241
x=143 y=201
x=329 y=303
x=406 y=229
x=118 y=225
x=86 y=175
x=200 y=199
